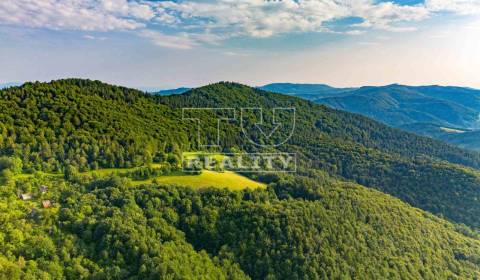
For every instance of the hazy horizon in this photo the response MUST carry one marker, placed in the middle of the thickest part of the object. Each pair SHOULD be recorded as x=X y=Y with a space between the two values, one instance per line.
x=170 y=44
x=154 y=89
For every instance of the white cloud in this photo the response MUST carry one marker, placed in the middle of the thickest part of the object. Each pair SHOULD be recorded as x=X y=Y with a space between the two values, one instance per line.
x=90 y=37
x=236 y=54
x=356 y=32
x=463 y=7
x=181 y=41
x=259 y=18
x=89 y=15
x=195 y=22
x=386 y=15
x=256 y=18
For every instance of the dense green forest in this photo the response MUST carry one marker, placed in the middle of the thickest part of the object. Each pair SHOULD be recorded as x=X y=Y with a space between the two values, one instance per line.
x=317 y=223
x=300 y=228
x=423 y=172
x=90 y=125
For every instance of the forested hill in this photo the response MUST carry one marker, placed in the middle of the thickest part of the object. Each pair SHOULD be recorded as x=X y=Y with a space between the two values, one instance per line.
x=306 y=225
x=90 y=125
x=416 y=169
x=307 y=91
x=334 y=123
x=301 y=228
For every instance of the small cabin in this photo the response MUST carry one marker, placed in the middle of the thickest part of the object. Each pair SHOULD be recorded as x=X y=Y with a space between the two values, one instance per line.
x=26 y=196
x=46 y=203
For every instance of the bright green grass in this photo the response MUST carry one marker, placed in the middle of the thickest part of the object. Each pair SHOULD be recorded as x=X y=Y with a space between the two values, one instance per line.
x=27 y=175
x=218 y=157
x=227 y=179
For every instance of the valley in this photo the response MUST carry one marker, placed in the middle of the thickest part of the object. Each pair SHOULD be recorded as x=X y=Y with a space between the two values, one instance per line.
x=424 y=110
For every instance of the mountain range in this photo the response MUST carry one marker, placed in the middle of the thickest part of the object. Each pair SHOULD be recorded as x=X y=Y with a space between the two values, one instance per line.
x=367 y=201
x=120 y=127
x=451 y=114
x=179 y=90
x=6 y=85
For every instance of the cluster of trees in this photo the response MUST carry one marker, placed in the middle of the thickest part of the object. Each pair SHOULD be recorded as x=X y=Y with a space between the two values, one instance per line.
x=97 y=240
x=144 y=173
x=299 y=228
x=10 y=166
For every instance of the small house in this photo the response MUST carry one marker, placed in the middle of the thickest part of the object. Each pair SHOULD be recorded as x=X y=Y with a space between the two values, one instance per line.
x=26 y=196
x=46 y=203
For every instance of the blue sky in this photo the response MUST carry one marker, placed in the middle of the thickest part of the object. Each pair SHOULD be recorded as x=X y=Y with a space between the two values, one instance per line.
x=189 y=43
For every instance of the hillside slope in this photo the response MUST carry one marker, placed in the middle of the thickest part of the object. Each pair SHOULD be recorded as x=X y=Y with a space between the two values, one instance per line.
x=397 y=105
x=306 y=90
x=412 y=168
x=90 y=124
x=405 y=107
x=300 y=228
x=307 y=225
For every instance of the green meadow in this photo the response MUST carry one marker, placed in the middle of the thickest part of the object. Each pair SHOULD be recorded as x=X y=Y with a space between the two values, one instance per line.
x=226 y=179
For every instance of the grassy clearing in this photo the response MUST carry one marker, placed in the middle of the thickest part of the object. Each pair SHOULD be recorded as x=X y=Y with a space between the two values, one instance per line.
x=227 y=179
x=22 y=176
x=216 y=156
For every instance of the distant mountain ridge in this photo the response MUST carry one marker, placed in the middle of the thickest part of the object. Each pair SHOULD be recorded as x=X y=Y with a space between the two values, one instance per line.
x=406 y=107
x=306 y=90
x=179 y=90
x=7 y=85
